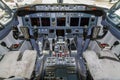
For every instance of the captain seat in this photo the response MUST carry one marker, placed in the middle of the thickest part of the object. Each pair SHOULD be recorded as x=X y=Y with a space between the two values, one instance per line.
x=11 y=66
x=105 y=66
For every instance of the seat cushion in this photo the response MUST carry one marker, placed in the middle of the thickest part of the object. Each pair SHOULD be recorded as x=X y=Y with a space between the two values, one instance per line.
x=8 y=59
x=102 y=69
x=29 y=57
x=9 y=66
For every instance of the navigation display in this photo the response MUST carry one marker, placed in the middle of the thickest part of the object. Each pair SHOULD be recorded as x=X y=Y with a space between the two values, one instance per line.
x=74 y=21
x=45 y=21
x=84 y=21
x=61 y=21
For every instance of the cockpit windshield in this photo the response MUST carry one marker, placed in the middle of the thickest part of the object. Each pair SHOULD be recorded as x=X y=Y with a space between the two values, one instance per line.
x=18 y=3
x=117 y=12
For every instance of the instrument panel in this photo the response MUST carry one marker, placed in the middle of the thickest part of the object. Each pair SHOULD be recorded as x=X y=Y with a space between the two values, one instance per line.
x=49 y=22
x=59 y=19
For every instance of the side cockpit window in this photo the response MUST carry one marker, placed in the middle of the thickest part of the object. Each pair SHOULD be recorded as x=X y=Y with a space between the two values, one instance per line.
x=5 y=15
x=114 y=15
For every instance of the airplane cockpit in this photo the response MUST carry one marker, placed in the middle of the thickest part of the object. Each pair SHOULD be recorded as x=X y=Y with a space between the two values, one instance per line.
x=52 y=22
x=59 y=42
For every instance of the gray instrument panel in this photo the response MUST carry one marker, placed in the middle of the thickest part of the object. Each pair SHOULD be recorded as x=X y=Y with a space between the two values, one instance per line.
x=49 y=22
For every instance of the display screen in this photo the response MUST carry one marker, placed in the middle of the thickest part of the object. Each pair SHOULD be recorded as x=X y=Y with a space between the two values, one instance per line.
x=68 y=31
x=61 y=21
x=45 y=21
x=74 y=21
x=60 y=32
x=35 y=21
x=51 y=31
x=84 y=21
